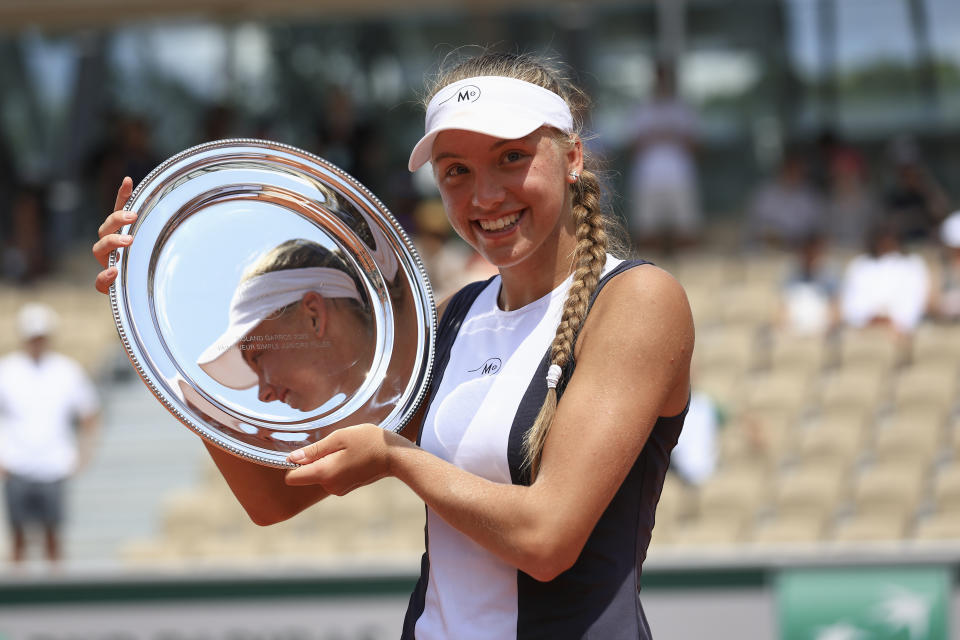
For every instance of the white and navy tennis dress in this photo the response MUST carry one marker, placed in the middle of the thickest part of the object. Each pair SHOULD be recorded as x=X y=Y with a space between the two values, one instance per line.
x=490 y=385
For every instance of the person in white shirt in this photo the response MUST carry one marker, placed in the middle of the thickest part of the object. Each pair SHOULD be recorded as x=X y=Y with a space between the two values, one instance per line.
x=49 y=413
x=885 y=286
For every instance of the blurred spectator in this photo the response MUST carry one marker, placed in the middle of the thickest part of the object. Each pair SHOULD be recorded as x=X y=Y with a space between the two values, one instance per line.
x=786 y=209
x=337 y=129
x=127 y=152
x=915 y=202
x=808 y=296
x=695 y=457
x=885 y=286
x=444 y=258
x=8 y=180
x=218 y=123
x=946 y=293
x=830 y=149
x=852 y=207
x=663 y=183
x=25 y=253
x=389 y=181
x=42 y=393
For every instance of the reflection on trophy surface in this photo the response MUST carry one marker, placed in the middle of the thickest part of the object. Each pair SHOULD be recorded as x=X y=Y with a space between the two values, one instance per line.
x=310 y=312
x=300 y=328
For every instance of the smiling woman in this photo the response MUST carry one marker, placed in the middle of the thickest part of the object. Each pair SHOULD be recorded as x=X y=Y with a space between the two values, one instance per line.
x=299 y=328
x=559 y=389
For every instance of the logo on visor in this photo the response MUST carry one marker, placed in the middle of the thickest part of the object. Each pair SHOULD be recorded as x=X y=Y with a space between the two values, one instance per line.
x=468 y=93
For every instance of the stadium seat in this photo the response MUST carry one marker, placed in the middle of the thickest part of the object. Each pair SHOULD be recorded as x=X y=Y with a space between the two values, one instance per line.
x=792 y=528
x=941 y=526
x=856 y=387
x=880 y=526
x=813 y=491
x=732 y=350
x=914 y=432
x=150 y=552
x=706 y=270
x=786 y=391
x=733 y=491
x=751 y=305
x=875 y=347
x=946 y=489
x=705 y=313
x=716 y=530
x=936 y=343
x=927 y=384
x=807 y=354
x=723 y=387
x=837 y=435
x=757 y=439
x=766 y=269
x=895 y=486
x=676 y=501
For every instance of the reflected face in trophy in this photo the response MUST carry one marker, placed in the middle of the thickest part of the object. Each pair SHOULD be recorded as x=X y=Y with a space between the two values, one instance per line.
x=294 y=354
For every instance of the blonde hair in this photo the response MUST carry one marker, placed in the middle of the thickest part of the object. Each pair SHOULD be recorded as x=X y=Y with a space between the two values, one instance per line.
x=592 y=224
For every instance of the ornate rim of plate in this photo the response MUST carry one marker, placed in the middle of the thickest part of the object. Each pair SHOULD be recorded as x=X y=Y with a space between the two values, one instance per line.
x=259 y=182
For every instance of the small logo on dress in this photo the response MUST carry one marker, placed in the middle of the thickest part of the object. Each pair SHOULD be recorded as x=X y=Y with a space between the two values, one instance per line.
x=468 y=93
x=488 y=368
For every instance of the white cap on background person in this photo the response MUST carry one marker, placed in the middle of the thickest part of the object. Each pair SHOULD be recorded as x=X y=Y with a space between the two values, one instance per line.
x=950 y=230
x=36 y=320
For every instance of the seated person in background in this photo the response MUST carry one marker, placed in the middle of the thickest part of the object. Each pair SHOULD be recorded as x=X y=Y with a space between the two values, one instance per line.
x=852 y=207
x=808 y=295
x=787 y=208
x=946 y=293
x=914 y=201
x=885 y=286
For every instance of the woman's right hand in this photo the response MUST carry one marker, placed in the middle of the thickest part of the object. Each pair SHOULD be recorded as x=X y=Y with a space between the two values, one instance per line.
x=110 y=239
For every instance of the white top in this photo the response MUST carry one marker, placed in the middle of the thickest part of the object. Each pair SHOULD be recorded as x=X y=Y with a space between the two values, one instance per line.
x=472 y=594
x=38 y=403
x=894 y=286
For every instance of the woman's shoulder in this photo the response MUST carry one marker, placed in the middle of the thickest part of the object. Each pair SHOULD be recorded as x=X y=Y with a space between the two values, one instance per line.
x=637 y=282
x=641 y=302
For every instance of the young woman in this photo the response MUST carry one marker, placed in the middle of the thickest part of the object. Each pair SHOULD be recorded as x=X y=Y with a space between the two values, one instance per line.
x=560 y=385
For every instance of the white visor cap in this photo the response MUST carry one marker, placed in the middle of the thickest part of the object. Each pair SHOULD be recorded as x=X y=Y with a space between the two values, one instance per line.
x=254 y=301
x=501 y=107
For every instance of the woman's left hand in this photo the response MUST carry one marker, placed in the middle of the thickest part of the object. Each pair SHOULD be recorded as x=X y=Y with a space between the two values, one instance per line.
x=346 y=459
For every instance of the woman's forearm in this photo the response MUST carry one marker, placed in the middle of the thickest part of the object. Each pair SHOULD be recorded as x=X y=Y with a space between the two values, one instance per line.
x=516 y=523
x=261 y=490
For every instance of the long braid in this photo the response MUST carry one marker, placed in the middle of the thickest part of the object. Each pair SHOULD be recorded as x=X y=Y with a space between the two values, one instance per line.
x=588 y=258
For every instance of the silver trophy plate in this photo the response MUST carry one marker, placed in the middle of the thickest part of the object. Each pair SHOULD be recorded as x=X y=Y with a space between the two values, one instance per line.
x=269 y=298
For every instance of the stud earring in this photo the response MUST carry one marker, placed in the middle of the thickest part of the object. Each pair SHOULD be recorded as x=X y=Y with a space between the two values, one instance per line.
x=572 y=177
